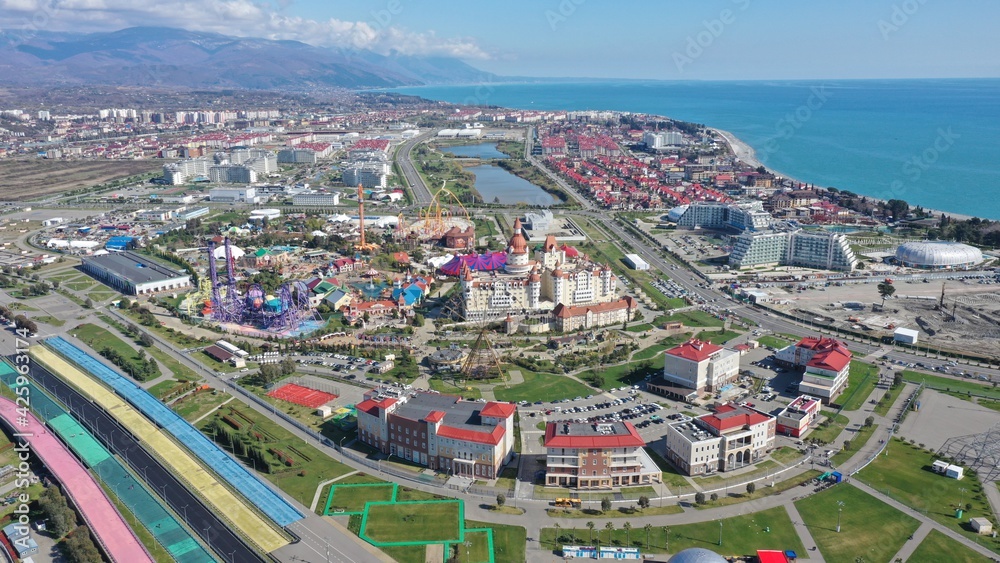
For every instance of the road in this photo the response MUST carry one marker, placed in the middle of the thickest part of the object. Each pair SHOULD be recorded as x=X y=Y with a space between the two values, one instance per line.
x=421 y=195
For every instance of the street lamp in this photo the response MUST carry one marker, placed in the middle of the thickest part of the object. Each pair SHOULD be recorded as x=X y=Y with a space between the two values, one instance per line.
x=840 y=508
x=720 y=533
x=961 y=498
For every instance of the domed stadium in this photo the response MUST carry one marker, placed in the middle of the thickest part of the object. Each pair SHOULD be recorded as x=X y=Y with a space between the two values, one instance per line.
x=937 y=255
x=696 y=555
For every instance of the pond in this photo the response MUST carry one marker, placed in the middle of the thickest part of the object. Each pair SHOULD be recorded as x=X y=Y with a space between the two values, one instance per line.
x=495 y=183
x=479 y=150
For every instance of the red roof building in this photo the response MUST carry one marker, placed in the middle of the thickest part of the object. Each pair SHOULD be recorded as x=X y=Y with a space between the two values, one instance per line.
x=827 y=365
x=599 y=455
x=730 y=438
x=442 y=432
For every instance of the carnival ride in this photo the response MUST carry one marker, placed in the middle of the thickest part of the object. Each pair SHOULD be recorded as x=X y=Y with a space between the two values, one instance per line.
x=436 y=219
x=275 y=313
x=362 y=245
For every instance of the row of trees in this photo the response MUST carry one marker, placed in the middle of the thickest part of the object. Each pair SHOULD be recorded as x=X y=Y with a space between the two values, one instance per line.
x=140 y=367
x=269 y=373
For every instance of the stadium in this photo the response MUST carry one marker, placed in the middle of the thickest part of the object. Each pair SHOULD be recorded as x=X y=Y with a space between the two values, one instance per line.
x=938 y=255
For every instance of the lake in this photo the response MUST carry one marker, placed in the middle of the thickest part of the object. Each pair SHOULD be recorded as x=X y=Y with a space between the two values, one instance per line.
x=479 y=150
x=493 y=182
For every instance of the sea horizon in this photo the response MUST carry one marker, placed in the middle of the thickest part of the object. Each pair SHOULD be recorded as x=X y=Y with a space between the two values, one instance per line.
x=929 y=141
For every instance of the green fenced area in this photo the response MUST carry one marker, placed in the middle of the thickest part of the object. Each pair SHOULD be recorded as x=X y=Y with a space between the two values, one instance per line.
x=938 y=547
x=413 y=523
x=870 y=528
x=477 y=547
x=351 y=498
x=905 y=475
x=961 y=388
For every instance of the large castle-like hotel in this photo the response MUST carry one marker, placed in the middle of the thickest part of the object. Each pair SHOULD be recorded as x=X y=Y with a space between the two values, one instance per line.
x=553 y=291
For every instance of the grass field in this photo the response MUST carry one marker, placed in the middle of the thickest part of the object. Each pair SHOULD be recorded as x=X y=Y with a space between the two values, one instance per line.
x=906 y=475
x=623 y=374
x=448 y=388
x=859 y=536
x=419 y=522
x=762 y=491
x=475 y=548
x=740 y=535
x=858 y=441
x=786 y=454
x=163 y=388
x=192 y=407
x=773 y=342
x=957 y=387
x=508 y=541
x=98 y=339
x=35 y=177
x=52 y=321
x=352 y=497
x=887 y=400
x=671 y=477
x=861 y=381
x=938 y=547
x=718 y=337
x=829 y=433
x=696 y=318
x=541 y=387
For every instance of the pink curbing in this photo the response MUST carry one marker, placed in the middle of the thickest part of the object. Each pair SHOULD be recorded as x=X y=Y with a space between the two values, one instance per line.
x=100 y=515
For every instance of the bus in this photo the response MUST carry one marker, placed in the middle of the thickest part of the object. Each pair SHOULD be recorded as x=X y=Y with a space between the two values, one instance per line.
x=568 y=503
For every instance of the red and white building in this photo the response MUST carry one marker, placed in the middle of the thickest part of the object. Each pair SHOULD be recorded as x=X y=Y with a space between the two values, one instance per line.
x=442 y=432
x=596 y=456
x=700 y=365
x=730 y=438
x=827 y=363
x=795 y=419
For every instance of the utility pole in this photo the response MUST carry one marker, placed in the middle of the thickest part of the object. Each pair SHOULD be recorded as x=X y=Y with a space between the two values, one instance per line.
x=840 y=508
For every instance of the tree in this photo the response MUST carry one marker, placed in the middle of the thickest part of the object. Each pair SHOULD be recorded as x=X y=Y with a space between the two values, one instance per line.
x=714 y=497
x=501 y=500
x=418 y=320
x=605 y=504
x=869 y=421
x=647 y=527
x=610 y=527
x=751 y=487
x=847 y=445
x=699 y=498
x=145 y=339
x=627 y=526
x=89 y=303
x=897 y=379
x=643 y=502
x=897 y=208
x=886 y=289
x=590 y=526
x=269 y=373
x=22 y=322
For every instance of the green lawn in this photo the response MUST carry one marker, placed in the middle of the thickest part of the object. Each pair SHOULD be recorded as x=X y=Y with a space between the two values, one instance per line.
x=956 y=387
x=773 y=342
x=786 y=454
x=541 y=387
x=449 y=388
x=624 y=374
x=475 y=548
x=648 y=353
x=50 y=320
x=938 y=547
x=858 y=441
x=352 y=497
x=887 y=400
x=193 y=406
x=740 y=535
x=869 y=527
x=508 y=541
x=829 y=433
x=861 y=381
x=718 y=337
x=906 y=474
x=164 y=387
x=671 y=477
x=762 y=490
x=413 y=522
x=697 y=318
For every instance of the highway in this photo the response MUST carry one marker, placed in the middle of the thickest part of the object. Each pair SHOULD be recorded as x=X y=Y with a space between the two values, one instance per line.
x=421 y=195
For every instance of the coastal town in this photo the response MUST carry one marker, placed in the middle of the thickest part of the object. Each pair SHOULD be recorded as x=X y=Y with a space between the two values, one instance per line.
x=290 y=330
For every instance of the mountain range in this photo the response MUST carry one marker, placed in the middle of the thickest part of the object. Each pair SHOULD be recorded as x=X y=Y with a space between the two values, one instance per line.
x=158 y=56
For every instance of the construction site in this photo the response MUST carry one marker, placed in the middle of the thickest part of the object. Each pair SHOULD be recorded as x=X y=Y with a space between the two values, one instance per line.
x=951 y=312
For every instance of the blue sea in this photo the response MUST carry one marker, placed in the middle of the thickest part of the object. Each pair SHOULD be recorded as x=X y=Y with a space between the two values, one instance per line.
x=934 y=143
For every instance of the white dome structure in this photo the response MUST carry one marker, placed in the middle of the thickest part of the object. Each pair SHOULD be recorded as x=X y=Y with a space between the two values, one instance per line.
x=938 y=255
x=697 y=555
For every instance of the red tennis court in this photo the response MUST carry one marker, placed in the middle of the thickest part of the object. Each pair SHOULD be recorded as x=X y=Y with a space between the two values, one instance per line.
x=301 y=395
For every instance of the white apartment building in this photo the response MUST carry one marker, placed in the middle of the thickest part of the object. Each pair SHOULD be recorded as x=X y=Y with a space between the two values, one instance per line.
x=806 y=249
x=664 y=140
x=179 y=173
x=746 y=216
x=232 y=174
x=597 y=456
x=827 y=364
x=700 y=365
x=730 y=438
x=246 y=194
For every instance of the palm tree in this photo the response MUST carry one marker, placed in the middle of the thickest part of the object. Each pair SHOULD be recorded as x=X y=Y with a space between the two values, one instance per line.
x=647 y=527
x=557 y=527
x=590 y=526
x=627 y=526
x=610 y=527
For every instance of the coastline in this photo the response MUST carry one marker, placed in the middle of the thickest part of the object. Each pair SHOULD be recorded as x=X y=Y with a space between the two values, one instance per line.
x=748 y=155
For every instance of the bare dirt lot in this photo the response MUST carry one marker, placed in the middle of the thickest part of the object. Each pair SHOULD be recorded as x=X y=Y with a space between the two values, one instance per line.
x=23 y=179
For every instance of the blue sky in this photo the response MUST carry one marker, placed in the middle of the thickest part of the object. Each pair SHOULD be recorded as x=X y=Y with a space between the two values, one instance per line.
x=665 y=39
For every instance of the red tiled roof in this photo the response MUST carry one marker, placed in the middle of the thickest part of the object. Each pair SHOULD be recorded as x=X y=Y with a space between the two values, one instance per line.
x=498 y=410
x=492 y=438
x=832 y=360
x=434 y=416
x=632 y=439
x=694 y=350
x=727 y=417
x=562 y=311
x=369 y=406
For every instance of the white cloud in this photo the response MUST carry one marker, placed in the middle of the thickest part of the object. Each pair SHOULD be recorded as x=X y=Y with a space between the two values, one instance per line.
x=245 y=18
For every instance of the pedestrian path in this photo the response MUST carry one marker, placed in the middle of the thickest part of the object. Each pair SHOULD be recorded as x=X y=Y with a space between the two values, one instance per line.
x=804 y=535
